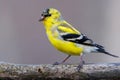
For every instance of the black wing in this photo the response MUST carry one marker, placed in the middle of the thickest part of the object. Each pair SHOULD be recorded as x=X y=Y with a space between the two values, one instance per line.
x=80 y=39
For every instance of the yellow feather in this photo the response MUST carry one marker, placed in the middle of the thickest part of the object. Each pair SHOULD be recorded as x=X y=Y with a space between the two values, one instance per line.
x=67 y=28
x=64 y=46
x=63 y=36
x=54 y=23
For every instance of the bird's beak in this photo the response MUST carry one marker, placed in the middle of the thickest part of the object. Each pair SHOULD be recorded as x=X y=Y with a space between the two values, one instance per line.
x=42 y=18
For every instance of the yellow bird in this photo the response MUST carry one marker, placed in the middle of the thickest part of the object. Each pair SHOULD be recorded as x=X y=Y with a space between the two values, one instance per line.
x=65 y=38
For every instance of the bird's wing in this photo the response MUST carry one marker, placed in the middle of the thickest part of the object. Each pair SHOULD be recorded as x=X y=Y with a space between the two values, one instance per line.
x=80 y=39
x=68 y=33
x=65 y=27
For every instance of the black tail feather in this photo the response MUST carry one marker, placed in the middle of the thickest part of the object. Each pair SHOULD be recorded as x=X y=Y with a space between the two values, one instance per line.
x=102 y=50
x=111 y=54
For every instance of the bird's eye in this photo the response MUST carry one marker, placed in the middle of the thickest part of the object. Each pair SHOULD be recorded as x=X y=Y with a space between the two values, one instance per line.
x=49 y=14
x=42 y=15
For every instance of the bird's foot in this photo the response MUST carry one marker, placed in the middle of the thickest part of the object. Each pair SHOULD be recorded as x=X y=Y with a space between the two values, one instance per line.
x=80 y=66
x=56 y=63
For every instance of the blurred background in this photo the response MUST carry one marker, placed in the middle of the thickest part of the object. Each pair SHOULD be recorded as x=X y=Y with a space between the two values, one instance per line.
x=23 y=39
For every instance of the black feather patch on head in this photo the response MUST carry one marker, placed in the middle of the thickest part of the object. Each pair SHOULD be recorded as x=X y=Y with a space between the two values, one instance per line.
x=46 y=13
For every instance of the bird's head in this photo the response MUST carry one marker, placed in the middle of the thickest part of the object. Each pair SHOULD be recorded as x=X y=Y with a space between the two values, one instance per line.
x=50 y=13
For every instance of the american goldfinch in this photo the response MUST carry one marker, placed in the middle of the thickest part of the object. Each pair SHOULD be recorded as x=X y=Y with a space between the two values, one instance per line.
x=65 y=38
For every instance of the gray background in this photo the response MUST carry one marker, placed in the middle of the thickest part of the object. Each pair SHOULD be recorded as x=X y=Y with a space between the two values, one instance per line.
x=23 y=39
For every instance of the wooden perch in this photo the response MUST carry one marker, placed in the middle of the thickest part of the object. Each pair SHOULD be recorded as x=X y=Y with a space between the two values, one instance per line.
x=109 y=71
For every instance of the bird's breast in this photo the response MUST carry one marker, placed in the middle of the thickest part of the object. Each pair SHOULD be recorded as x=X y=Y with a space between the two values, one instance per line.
x=64 y=46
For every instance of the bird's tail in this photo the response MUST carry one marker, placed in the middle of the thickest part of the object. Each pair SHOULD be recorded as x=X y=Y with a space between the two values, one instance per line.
x=102 y=50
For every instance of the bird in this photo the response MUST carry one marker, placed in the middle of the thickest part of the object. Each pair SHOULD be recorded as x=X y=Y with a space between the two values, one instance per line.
x=66 y=38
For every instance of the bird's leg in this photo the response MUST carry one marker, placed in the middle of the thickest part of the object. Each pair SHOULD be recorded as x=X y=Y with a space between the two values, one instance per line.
x=66 y=59
x=82 y=62
x=57 y=63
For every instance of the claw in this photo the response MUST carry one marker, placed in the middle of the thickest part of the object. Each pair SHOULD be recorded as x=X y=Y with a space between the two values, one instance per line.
x=80 y=66
x=56 y=63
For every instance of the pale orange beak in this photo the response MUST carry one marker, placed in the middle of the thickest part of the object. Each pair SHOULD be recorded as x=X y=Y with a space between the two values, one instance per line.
x=42 y=18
